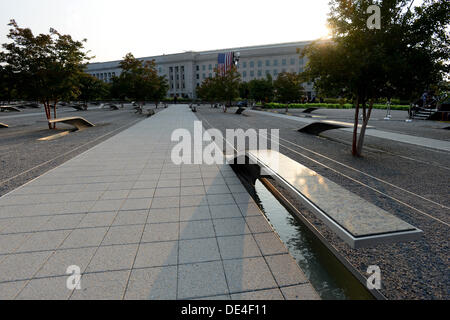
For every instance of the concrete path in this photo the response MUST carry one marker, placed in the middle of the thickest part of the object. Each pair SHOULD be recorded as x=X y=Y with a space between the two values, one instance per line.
x=140 y=227
x=403 y=138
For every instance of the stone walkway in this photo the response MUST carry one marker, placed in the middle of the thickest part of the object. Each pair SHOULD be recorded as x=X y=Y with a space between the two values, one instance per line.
x=140 y=227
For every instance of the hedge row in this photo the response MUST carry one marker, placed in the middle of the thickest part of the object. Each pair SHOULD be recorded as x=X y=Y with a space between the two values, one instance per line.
x=274 y=105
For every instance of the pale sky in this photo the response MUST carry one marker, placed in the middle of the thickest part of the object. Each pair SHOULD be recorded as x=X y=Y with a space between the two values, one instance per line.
x=154 y=27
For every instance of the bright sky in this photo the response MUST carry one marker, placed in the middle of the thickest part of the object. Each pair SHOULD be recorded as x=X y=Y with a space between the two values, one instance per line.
x=154 y=27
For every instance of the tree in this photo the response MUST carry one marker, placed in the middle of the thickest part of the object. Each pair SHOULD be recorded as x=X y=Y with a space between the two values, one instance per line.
x=409 y=53
x=139 y=80
x=208 y=90
x=288 y=87
x=262 y=89
x=227 y=85
x=161 y=90
x=47 y=67
x=92 y=88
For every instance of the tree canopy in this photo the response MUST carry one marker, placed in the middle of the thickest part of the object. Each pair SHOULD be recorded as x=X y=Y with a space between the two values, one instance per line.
x=288 y=87
x=405 y=56
x=261 y=89
x=139 y=81
x=46 y=67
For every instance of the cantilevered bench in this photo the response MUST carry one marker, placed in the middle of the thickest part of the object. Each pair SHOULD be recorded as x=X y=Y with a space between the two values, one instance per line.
x=317 y=127
x=309 y=110
x=356 y=221
x=9 y=108
x=78 y=122
x=79 y=107
x=2 y=125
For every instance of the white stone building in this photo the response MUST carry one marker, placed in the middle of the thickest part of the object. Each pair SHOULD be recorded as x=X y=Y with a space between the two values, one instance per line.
x=185 y=71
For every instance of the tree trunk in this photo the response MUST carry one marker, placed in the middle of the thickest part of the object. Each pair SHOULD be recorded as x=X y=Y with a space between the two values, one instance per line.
x=355 y=130
x=54 y=114
x=47 y=113
x=366 y=117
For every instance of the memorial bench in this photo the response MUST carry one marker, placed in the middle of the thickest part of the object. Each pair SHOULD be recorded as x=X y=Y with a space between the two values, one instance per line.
x=356 y=221
x=78 y=122
x=9 y=108
x=78 y=107
x=309 y=110
x=2 y=125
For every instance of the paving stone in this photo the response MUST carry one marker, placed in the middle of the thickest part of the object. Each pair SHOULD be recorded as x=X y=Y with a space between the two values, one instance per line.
x=141 y=193
x=167 y=202
x=270 y=243
x=9 y=290
x=102 y=286
x=84 y=238
x=225 y=211
x=21 y=266
x=271 y=294
x=150 y=184
x=300 y=292
x=194 y=213
x=193 y=201
x=191 y=182
x=10 y=242
x=46 y=289
x=258 y=224
x=201 y=280
x=114 y=194
x=167 y=192
x=47 y=240
x=193 y=191
x=161 y=232
x=117 y=257
x=60 y=260
x=238 y=247
x=196 y=229
x=123 y=235
x=169 y=183
x=213 y=181
x=164 y=215
x=199 y=250
x=131 y=217
x=249 y=209
x=248 y=274
x=62 y=222
x=107 y=205
x=137 y=204
x=158 y=283
x=231 y=227
x=157 y=254
x=220 y=199
x=285 y=270
x=242 y=198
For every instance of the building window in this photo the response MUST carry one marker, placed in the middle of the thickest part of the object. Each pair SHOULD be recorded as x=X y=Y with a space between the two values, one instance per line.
x=210 y=75
x=204 y=76
x=283 y=62
x=267 y=63
x=259 y=63
x=259 y=73
x=244 y=64
x=182 y=68
x=210 y=67
x=244 y=74
x=275 y=72
x=171 y=69
x=203 y=67
x=275 y=63
x=252 y=73
x=252 y=64
x=292 y=61
x=198 y=68
x=198 y=76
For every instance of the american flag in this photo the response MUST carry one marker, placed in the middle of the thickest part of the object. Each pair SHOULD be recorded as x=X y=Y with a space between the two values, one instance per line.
x=225 y=62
